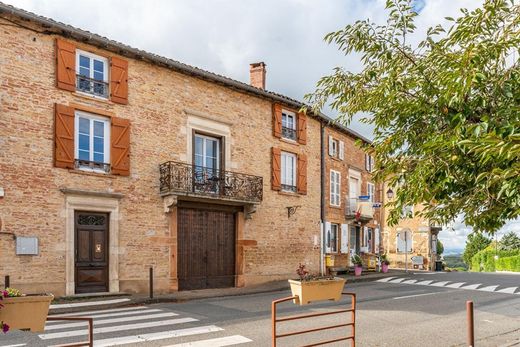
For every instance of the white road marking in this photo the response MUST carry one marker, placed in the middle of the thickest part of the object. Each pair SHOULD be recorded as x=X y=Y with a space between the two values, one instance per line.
x=156 y=336
x=489 y=288
x=413 y=296
x=19 y=345
x=456 y=285
x=385 y=279
x=217 y=342
x=472 y=286
x=510 y=290
x=99 y=311
x=88 y=303
x=108 y=315
x=110 y=321
x=409 y=282
x=399 y=280
x=424 y=283
x=116 y=328
x=440 y=284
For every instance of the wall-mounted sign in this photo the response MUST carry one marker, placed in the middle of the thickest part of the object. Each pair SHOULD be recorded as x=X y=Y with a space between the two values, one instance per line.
x=26 y=245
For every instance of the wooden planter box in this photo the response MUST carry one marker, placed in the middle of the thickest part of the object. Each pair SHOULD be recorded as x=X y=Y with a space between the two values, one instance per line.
x=26 y=312
x=317 y=290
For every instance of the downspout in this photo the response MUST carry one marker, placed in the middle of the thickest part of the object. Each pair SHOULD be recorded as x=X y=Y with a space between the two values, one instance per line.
x=322 y=195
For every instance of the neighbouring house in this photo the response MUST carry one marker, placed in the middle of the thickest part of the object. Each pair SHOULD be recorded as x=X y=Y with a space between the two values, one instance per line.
x=116 y=160
x=412 y=242
x=351 y=220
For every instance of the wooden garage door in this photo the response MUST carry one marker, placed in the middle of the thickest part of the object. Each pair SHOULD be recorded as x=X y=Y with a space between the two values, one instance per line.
x=206 y=249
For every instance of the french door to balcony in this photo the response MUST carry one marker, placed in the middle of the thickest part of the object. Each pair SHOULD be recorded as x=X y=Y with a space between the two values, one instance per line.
x=207 y=160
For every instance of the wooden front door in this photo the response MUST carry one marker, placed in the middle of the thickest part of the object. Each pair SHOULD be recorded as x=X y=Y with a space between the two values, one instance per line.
x=206 y=249
x=91 y=253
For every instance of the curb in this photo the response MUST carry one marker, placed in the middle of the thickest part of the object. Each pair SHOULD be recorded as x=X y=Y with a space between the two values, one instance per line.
x=180 y=297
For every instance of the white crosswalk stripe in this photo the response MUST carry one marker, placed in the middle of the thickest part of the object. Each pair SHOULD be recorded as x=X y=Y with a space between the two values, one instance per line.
x=448 y=284
x=135 y=325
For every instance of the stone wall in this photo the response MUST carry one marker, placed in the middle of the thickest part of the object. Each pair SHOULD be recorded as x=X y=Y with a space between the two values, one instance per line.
x=159 y=103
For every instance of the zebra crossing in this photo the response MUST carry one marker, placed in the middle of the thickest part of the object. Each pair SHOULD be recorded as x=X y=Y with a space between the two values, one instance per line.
x=131 y=325
x=450 y=284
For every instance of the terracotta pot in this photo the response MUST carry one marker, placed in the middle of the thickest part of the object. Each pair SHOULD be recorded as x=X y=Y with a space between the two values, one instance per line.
x=357 y=270
x=384 y=268
x=26 y=312
x=317 y=290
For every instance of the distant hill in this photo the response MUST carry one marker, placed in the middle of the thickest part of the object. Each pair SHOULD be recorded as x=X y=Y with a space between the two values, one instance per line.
x=453 y=251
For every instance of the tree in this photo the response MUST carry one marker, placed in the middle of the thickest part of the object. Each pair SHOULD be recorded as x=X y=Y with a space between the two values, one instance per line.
x=440 y=247
x=445 y=111
x=509 y=242
x=474 y=244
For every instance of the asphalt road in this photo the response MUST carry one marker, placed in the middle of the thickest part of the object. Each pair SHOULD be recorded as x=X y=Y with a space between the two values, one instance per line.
x=409 y=310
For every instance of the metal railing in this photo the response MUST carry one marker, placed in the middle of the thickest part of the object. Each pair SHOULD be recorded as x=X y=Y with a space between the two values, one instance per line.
x=95 y=166
x=288 y=188
x=352 y=323
x=92 y=86
x=288 y=133
x=185 y=178
x=357 y=208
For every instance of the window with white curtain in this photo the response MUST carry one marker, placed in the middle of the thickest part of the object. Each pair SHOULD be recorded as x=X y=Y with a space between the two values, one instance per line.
x=288 y=171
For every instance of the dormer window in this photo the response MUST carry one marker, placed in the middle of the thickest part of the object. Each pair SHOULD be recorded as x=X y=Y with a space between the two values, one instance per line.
x=91 y=74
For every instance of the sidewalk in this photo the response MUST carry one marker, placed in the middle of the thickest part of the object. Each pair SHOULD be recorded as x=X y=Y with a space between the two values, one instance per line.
x=76 y=304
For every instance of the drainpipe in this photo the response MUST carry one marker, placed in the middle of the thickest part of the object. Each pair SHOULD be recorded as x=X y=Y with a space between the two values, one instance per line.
x=322 y=202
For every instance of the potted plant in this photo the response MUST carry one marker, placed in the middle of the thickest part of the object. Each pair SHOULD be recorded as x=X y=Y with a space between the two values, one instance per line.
x=358 y=264
x=28 y=312
x=310 y=288
x=384 y=263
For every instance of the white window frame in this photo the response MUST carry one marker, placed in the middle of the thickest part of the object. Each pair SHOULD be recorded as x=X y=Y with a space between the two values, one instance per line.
x=369 y=162
x=285 y=172
x=93 y=56
x=289 y=114
x=371 y=191
x=204 y=145
x=335 y=188
x=332 y=247
x=407 y=211
x=106 y=138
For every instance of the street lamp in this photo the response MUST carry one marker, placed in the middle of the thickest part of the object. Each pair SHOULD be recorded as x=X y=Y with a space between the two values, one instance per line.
x=390 y=193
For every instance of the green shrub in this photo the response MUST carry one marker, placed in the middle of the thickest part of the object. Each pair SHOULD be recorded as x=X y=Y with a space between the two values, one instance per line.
x=484 y=261
x=508 y=264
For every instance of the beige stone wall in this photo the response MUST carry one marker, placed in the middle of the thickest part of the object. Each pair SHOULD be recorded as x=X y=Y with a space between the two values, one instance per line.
x=420 y=230
x=159 y=102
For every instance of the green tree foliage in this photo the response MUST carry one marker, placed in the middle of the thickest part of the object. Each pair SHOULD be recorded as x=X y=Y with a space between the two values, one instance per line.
x=484 y=261
x=446 y=111
x=509 y=242
x=508 y=264
x=440 y=247
x=474 y=244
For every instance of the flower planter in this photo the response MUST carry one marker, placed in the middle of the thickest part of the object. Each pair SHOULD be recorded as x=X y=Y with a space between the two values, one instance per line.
x=358 y=270
x=384 y=268
x=317 y=290
x=26 y=312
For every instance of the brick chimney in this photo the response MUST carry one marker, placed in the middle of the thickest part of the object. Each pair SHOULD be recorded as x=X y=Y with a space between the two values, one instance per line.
x=257 y=75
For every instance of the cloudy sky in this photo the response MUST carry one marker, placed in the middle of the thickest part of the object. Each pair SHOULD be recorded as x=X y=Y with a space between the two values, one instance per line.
x=224 y=36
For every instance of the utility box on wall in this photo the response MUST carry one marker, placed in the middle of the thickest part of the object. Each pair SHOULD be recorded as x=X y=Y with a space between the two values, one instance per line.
x=26 y=245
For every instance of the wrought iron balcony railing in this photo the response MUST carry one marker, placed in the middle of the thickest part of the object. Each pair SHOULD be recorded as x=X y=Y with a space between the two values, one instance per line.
x=288 y=133
x=189 y=179
x=92 y=86
x=362 y=210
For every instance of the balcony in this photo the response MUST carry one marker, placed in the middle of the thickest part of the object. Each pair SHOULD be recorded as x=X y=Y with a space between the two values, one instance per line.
x=92 y=86
x=191 y=180
x=360 y=210
x=289 y=133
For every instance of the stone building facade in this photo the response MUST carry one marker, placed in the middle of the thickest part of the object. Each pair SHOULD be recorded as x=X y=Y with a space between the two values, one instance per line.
x=412 y=242
x=351 y=220
x=115 y=161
